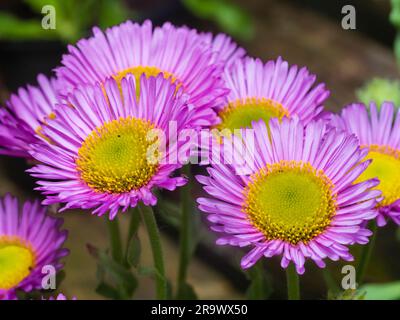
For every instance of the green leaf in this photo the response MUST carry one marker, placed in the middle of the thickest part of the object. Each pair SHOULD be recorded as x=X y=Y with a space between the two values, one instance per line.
x=112 y=12
x=60 y=278
x=194 y=231
x=107 y=291
x=168 y=207
x=149 y=272
x=187 y=293
x=37 y=5
x=14 y=28
x=385 y=291
x=260 y=286
x=100 y=273
x=169 y=290
x=230 y=17
x=134 y=251
x=72 y=16
x=349 y=294
x=118 y=273
x=397 y=48
x=395 y=14
x=169 y=212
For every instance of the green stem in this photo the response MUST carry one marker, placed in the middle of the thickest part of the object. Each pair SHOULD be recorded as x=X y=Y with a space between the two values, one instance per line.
x=155 y=242
x=293 y=286
x=366 y=255
x=133 y=229
x=134 y=224
x=115 y=240
x=258 y=284
x=184 y=245
x=330 y=282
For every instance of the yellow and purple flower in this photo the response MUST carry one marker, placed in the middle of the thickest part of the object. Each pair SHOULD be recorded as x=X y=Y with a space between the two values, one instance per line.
x=25 y=114
x=265 y=91
x=103 y=150
x=29 y=240
x=179 y=53
x=293 y=195
x=379 y=133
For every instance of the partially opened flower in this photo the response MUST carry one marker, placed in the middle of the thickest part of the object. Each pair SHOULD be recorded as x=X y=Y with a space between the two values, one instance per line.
x=264 y=91
x=25 y=114
x=103 y=150
x=379 y=134
x=29 y=240
x=293 y=195
x=179 y=53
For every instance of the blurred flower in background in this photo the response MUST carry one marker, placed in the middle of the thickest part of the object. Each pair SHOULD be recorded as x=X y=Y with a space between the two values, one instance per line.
x=25 y=114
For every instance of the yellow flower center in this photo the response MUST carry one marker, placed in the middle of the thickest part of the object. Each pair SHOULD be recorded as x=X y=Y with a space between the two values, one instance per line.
x=290 y=201
x=149 y=72
x=240 y=113
x=16 y=261
x=120 y=156
x=385 y=166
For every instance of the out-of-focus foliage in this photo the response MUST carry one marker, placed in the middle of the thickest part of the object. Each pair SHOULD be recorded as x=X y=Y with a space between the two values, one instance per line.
x=73 y=19
x=230 y=17
x=348 y=295
x=14 y=28
x=384 y=291
x=395 y=13
x=379 y=90
x=261 y=284
x=123 y=281
x=112 y=12
x=395 y=20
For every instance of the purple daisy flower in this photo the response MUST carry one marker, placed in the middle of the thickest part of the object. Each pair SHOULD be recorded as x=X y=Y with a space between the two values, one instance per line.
x=227 y=51
x=297 y=198
x=178 y=53
x=379 y=133
x=98 y=156
x=274 y=89
x=25 y=114
x=29 y=240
